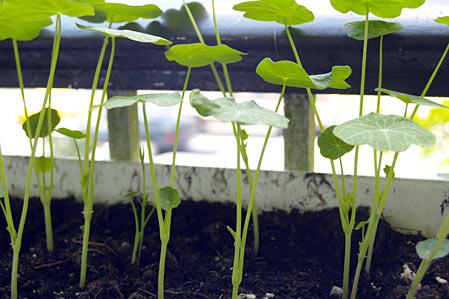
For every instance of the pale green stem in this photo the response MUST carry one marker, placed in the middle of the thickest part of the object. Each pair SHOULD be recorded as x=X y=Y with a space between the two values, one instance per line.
x=89 y=201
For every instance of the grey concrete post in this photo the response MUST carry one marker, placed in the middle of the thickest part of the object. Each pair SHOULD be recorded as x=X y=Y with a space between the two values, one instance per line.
x=123 y=129
x=299 y=137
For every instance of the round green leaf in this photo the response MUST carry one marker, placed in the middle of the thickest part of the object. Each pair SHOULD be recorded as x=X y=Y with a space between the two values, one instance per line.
x=169 y=198
x=292 y=74
x=160 y=99
x=43 y=164
x=132 y=35
x=425 y=248
x=23 y=30
x=228 y=110
x=280 y=11
x=198 y=54
x=126 y=13
x=380 y=8
x=34 y=119
x=71 y=133
x=443 y=20
x=375 y=29
x=36 y=10
x=331 y=146
x=411 y=99
x=384 y=132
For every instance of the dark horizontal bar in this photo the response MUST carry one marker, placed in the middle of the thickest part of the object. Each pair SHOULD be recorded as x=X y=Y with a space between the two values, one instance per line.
x=409 y=57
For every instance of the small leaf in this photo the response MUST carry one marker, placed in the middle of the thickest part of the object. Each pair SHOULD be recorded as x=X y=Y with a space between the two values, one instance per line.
x=160 y=99
x=384 y=132
x=227 y=110
x=34 y=119
x=411 y=99
x=197 y=55
x=380 y=8
x=281 y=11
x=71 y=133
x=2 y=192
x=443 y=20
x=169 y=198
x=292 y=74
x=387 y=170
x=231 y=231
x=425 y=248
x=331 y=146
x=84 y=179
x=375 y=29
x=43 y=164
x=361 y=224
x=125 y=13
x=132 y=35
x=129 y=194
x=348 y=201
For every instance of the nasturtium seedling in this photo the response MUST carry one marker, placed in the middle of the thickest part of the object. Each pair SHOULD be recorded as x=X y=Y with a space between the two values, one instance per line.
x=376 y=28
x=294 y=75
x=425 y=248
x=129 y=34
x=169 y=198
x=228 y=110
x=199 y=54
x=71 y=133
x=286 y=12
x=411 y=99
x=443 y=20
x=160 y=99
x=331 y=146
x=43 y=164
x=384 y=132
x=380 y=8
x=34 y=119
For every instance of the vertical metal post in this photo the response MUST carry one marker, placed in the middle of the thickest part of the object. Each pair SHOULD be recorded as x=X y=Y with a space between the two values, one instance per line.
x=299 y=137
x=123 y=129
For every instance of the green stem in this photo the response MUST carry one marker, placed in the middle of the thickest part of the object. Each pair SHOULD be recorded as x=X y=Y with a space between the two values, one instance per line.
x=347 y=264
x=379 y=84
x=89 y=201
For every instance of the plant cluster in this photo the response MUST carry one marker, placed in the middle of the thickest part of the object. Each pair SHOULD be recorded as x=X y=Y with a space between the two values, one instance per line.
x=21 y=20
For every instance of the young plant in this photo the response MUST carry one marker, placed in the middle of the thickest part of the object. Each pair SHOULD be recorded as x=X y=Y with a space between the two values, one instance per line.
x=22 y=20
x=431 y=249
x=114 y=12
x=166 y=198
x=245 y=113
x=287 y=73
x=382 y=132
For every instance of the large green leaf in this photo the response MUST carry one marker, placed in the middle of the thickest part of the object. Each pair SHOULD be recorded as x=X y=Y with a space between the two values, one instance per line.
x=384 y=132
x=23 y=30
x=380 y=8
x=132 y=35
x=71 y=133
x=443 y=20
x=125 y=13
x=34 y=119
x=292 y=74
x=37 y=10
x=169 y=198
x=331 y=146
x=43 y=164
x=228 y=110
x=160 y=99
x=425 y=248
x=375 y=29
x=411 y=99
x=281 y=11
x=198 y=54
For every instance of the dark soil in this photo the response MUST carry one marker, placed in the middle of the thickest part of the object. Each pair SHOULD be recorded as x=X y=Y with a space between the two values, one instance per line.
x=301 y=256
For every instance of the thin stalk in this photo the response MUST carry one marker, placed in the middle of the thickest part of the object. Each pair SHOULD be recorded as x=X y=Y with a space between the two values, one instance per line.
x=89 y=201
x=136 y=235
x=237 y=270
x=18 y=241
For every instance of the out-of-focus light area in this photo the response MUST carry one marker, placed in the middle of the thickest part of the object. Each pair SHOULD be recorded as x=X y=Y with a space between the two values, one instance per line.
x=207 y=142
